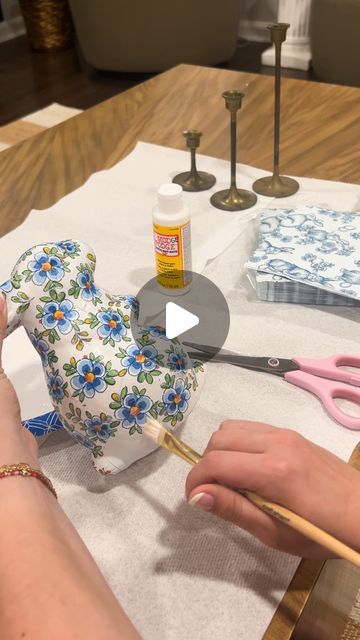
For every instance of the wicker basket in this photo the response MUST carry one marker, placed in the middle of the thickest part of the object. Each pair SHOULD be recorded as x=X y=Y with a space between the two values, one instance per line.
x=48 y=23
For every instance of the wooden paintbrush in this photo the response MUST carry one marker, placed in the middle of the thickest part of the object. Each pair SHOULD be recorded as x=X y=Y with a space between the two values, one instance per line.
x=167 y=440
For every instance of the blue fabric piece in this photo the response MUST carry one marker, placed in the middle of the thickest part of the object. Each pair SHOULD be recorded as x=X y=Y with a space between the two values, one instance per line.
x=44 y=424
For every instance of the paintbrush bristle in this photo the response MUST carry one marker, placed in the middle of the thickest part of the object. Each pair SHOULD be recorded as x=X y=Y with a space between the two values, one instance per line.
x=152 y=429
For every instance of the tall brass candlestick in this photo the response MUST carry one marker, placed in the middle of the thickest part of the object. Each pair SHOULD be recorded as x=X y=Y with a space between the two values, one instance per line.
x=194 y=180
x=276 y=186
x=233 y=199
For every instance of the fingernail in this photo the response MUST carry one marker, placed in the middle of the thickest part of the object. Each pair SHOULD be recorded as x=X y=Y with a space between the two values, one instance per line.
x=203 y=500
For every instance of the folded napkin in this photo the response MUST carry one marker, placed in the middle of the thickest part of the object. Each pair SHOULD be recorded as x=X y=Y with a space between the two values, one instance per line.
x=314 y=247
x=274 y=288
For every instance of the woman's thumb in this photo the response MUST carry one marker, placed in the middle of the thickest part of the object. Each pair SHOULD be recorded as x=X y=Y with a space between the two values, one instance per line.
x=232 y=506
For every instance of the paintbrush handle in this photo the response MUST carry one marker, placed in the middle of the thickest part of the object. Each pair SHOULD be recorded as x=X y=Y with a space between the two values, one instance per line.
x=167 y=440
x=303 y=526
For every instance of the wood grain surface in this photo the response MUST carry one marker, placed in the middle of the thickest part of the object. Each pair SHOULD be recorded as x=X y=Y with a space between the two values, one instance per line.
x=319 y=593
x=319 y=138
x=326 y=615
x=319 y=133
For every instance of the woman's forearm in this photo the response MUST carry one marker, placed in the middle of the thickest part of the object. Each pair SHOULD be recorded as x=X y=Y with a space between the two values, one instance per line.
x=50 y=586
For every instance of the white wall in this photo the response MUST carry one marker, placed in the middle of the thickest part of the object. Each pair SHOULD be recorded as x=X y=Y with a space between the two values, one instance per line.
x=256 y=15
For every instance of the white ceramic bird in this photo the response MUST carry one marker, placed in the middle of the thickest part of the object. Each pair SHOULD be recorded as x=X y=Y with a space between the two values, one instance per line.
x=103 y=384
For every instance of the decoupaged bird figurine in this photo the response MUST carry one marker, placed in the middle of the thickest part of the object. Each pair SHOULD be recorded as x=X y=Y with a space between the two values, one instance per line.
x=103 y=384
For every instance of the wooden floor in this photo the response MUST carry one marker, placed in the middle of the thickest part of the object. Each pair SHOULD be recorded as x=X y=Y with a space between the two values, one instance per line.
x=31 y=80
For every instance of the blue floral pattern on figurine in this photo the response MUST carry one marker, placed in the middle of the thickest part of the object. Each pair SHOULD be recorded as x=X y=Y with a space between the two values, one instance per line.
x=102 y=384
x=60 y=315
x=45 y=267
x=313 y=246
x=133 y=413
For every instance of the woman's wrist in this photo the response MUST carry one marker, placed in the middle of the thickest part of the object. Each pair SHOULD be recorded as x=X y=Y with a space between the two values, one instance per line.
x=15 y=454
x=19 y=446
x=19 y=457
x=24 y=470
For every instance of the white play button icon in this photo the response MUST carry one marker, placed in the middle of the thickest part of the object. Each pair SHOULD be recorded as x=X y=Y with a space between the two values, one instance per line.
x=178 y=320
x=201 y=315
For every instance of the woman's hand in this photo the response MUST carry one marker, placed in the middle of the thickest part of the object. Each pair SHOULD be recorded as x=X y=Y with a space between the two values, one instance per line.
x=284 y=467
x=16 y=443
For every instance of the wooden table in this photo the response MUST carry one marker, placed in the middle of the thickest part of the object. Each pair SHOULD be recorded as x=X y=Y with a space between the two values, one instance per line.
x=320 y=132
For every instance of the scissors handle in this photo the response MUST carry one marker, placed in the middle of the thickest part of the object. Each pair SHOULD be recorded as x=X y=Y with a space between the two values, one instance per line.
x=330 y=368
x=326 y=391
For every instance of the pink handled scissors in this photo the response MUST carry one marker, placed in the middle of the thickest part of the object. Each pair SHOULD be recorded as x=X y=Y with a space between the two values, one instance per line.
x=323 y=377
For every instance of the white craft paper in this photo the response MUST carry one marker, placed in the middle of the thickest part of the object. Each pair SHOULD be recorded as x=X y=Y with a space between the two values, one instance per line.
x=178 y=572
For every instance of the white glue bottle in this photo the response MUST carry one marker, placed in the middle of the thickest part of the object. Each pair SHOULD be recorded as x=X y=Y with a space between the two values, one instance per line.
x=172 y=240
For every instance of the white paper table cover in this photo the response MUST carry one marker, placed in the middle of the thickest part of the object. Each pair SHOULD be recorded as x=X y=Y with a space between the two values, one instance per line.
x=178 y=572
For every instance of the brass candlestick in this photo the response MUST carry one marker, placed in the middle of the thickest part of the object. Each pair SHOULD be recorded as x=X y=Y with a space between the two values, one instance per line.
x=233 y=199
x=276 y=186
x=194 y=180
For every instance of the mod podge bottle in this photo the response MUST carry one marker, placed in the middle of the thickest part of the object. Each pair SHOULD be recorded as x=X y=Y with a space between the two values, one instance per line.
x=172 y=240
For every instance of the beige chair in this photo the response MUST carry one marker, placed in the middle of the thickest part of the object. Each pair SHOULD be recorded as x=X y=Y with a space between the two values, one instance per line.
x=335 y=40
x=152 y=35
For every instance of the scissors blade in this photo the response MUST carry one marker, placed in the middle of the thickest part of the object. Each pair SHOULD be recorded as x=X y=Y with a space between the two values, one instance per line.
x=275 y=366
x=207 y=349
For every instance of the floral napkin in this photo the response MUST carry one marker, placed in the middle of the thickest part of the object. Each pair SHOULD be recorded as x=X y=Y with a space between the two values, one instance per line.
x=310 y=245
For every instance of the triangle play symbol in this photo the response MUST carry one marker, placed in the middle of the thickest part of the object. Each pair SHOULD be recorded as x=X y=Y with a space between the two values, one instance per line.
x=178 y=320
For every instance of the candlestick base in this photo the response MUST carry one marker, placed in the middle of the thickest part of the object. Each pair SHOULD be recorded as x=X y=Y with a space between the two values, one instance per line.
x=200 y=181
x=233 y=199
x=276 y=186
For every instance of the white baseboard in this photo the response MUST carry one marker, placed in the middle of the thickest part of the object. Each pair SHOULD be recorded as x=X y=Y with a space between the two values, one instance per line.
x=254 y=30
x=12 y=28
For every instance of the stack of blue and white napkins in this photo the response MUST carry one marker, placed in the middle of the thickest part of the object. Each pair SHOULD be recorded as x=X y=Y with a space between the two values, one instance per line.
x=308 y=255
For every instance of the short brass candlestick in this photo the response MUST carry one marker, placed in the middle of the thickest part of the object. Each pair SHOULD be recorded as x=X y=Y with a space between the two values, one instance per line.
x=233 y=199
x=276 y=186
x=194 y=180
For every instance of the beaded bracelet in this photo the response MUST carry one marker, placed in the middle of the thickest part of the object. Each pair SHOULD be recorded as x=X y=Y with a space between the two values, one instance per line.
x=23 y=469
